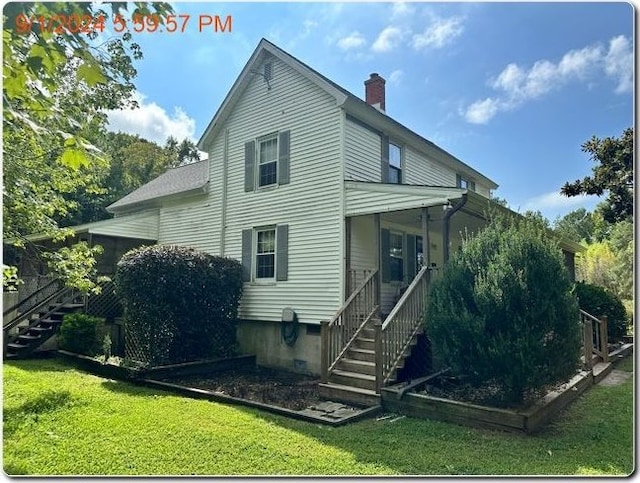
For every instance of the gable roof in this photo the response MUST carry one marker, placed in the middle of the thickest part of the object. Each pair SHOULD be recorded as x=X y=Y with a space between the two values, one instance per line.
x=345 y=99
x=180 y=180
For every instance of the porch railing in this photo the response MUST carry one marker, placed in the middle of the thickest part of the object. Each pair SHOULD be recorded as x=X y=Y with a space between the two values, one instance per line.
x=33 y=291
x=394 y=335
x=595 y=338
x=339 y=333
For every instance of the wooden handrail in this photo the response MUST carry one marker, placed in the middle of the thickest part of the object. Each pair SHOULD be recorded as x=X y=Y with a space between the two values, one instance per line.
x=400 y=327
x=24 y=301
x=27 y=315
x=352 y=297
x=408 y=293
x=596 y=339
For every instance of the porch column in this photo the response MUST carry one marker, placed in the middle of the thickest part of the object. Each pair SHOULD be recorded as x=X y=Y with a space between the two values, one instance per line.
x=376 y=230
x=347 y=254
x=426 y=245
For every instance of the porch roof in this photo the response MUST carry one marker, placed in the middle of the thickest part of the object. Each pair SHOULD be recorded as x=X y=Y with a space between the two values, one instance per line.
x=366 y=198
x=142 y=226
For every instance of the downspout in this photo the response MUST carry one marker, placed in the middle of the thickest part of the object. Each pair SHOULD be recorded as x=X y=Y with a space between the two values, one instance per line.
x=223 y=215
x=446 y=225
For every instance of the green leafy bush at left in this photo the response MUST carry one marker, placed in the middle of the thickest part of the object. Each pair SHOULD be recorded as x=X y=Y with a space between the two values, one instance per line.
x=81 y=333
x=180 y=304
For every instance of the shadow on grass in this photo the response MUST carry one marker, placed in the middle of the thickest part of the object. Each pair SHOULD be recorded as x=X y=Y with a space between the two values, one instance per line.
x=40 y=364
x=131 y=388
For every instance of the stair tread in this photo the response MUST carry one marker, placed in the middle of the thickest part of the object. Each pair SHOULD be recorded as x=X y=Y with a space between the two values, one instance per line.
x=359 y=362
x=15 y=345
x=29 y=337
x=342 y=387
x=364 y=351
x=355 y=375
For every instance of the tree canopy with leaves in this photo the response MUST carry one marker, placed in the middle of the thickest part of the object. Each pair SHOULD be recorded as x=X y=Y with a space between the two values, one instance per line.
x=56 y=86
x=613 y=174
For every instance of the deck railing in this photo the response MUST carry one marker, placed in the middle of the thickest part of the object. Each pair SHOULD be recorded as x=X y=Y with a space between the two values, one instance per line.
x=394 y=335
x=338 y=333
x=595 y=338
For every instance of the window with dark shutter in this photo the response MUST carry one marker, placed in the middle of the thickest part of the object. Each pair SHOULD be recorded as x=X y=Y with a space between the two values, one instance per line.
x=283 y=157
x=247 y=254
x=282 y=252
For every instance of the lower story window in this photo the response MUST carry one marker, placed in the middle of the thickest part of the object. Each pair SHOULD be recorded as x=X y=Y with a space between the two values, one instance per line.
x=266 y=254
x=397 y=261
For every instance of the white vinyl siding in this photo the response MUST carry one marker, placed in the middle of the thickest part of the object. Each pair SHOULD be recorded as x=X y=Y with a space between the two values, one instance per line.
x=310 y=204
x=423 y=171
x=188 y=224
x=362 y=153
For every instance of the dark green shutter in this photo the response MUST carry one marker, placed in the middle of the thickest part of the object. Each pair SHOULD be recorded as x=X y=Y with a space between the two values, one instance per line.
x=472 y=185
x=385 y=255
x=412 y=256
x=458 y=181
x=282 y=252
x=249 y=165
x=247 y=254
x=283 y=157
x=384 y=158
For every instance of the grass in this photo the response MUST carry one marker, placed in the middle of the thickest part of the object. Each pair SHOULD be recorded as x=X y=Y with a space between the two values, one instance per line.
x=59 y=421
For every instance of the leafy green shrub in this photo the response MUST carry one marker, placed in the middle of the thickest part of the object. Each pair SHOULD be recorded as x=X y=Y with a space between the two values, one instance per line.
x=503 y=313
x=180 y=304
x=81 y=333
x=598 y=301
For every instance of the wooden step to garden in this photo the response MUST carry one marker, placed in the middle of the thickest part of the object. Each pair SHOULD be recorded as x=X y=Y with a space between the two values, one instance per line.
x=349 y=395
x=353 y=379
x=601 y=370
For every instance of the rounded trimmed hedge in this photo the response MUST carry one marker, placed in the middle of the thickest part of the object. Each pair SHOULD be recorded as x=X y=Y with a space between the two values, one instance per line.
x=598 y=301
x=503 y=314
x=180 y=304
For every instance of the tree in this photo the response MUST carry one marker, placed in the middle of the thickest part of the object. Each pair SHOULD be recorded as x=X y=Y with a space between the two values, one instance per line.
x=181 y=153
x=577 y=225
x=56 y=87
x=613 y=174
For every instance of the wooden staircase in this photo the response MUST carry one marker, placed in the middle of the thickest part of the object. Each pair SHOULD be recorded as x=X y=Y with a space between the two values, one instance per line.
x=353 y=380
x=36 y=319
x=38 y=330
x=360 y=352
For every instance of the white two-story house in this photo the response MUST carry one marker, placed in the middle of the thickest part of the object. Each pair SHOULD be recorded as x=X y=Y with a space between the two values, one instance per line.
x=325 y=199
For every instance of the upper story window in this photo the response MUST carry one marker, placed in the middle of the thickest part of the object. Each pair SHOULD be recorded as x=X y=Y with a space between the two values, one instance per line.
x=465 y=183
x=266 y=161
x=395 y=163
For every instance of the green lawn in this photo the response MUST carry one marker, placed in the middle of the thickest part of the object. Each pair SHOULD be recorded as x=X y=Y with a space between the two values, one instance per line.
x=59 y=421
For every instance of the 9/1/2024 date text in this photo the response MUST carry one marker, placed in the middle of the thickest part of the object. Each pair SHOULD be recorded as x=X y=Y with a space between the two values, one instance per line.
x=74 y=24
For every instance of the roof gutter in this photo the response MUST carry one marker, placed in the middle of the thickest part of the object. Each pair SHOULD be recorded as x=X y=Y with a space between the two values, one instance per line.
x=447 y=223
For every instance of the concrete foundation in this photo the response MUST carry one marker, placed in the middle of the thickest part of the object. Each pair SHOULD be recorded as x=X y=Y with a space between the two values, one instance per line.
x=265 y=340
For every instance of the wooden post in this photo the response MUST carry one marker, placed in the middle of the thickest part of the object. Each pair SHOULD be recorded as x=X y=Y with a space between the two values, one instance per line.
x=426 y=243
x=324 y=351
x=379 y=355
x=604 y=338
x=377 y=246
x=588 y=342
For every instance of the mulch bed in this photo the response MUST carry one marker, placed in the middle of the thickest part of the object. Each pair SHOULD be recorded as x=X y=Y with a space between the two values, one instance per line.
x=269 y=386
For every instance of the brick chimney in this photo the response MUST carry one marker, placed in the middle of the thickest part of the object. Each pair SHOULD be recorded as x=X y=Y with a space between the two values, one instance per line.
x=374 y=91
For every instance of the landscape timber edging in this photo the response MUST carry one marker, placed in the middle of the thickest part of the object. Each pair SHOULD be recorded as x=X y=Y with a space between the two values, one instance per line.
x=224 y=398
x=529 y=420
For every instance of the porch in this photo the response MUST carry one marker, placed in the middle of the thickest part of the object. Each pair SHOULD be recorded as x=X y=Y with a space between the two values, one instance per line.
x=397 y=239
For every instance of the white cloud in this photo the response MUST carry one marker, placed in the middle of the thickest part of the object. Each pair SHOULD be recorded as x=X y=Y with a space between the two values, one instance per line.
x=352 y=41
x=388 y=39
x=557 y=201
x=396 y=77
x=440 y=33
x=481 y=112
x=152 y=122
x=401 y=9
x=517 y=85
x=619 y=63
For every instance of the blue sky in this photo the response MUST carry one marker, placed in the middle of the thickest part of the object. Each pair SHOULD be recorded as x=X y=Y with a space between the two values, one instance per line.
x=512 y=89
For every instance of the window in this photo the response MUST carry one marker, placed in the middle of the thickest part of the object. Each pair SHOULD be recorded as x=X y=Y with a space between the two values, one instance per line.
x=395 y=164
x=265 y=254
x=465 y=183
x=396 y=263
x=268 y=161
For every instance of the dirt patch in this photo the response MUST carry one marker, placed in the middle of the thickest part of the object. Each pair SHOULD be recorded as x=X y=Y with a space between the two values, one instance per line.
x=269 y=386
x=615 y=377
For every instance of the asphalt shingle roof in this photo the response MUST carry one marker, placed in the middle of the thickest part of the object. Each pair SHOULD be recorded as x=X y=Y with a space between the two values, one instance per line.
x=175 y=180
